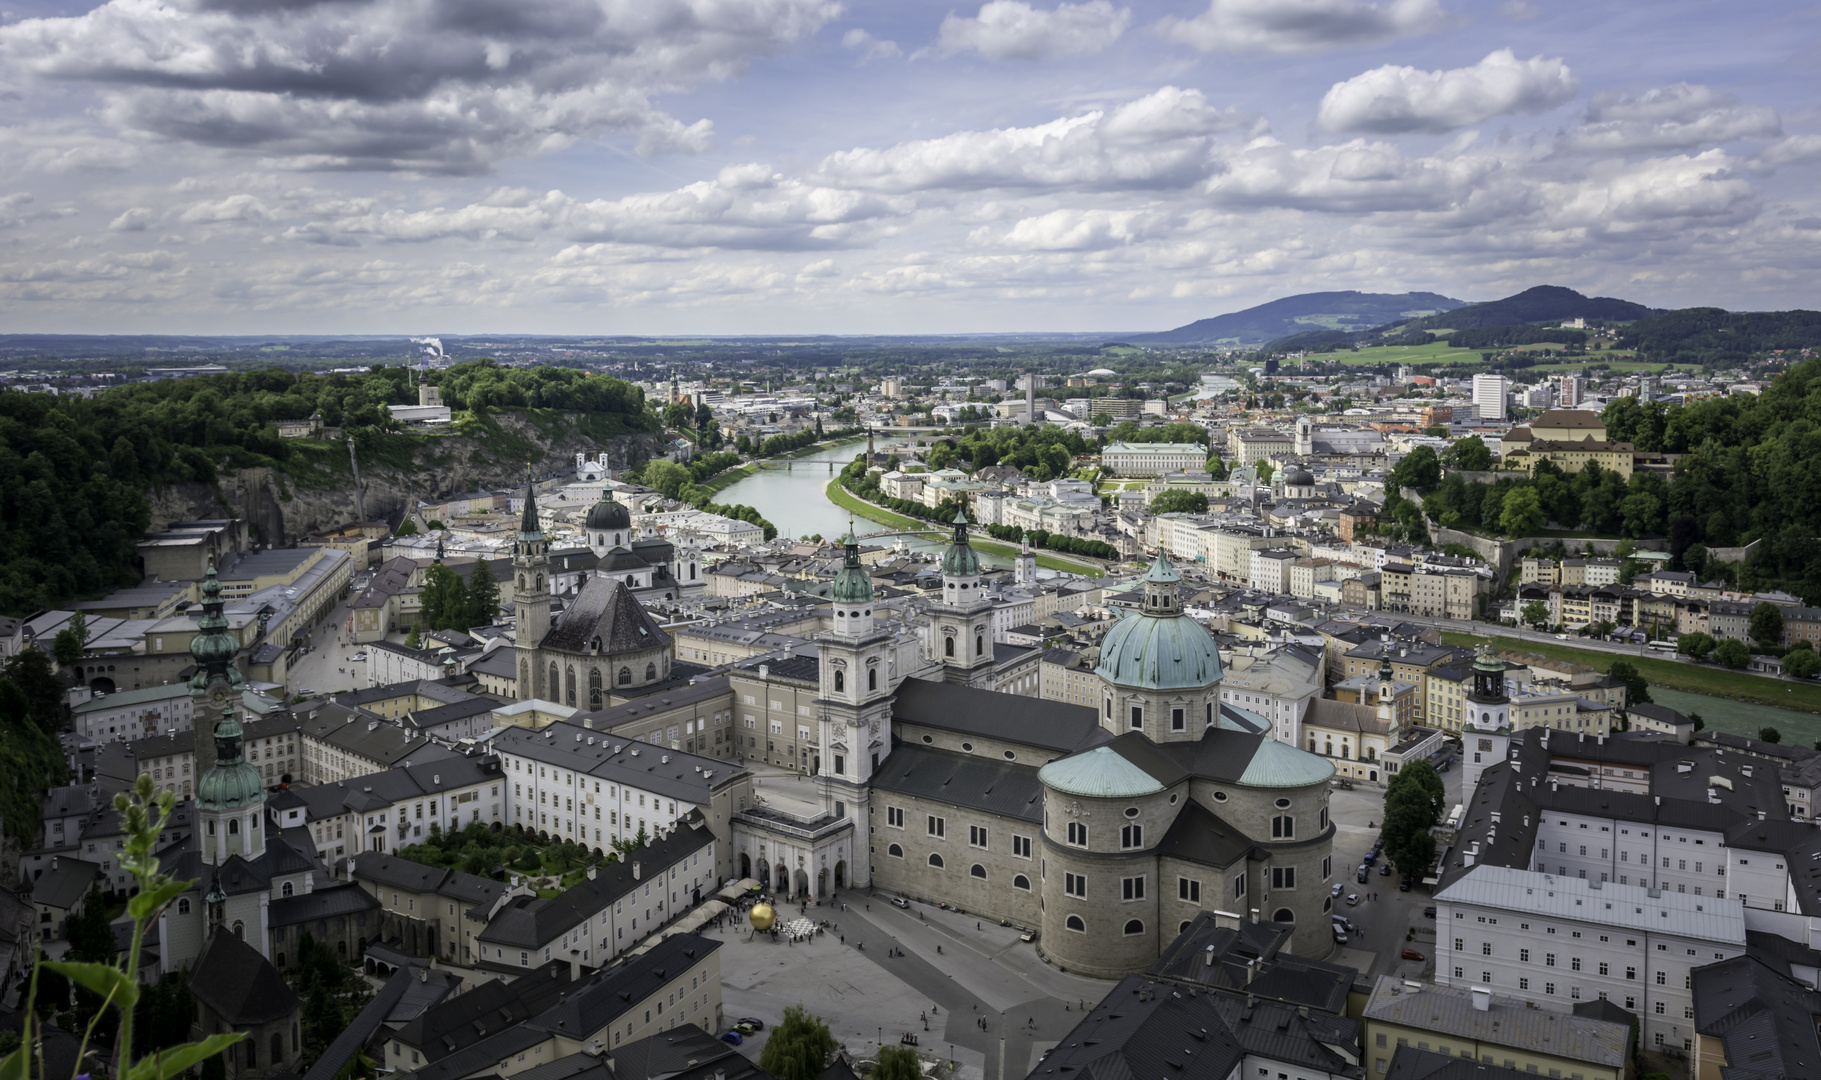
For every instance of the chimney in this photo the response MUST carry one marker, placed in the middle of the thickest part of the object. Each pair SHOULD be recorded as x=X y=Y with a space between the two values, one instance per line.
x=591 y=873
x=423 y=975
x=575 y=965
x=635 y=871
x=1251 y=970
x=1208 y=957
x=1482 y=998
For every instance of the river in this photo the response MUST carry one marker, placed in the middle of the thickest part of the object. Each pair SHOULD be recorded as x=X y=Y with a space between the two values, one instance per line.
x=791 y=494
x=1742 y=717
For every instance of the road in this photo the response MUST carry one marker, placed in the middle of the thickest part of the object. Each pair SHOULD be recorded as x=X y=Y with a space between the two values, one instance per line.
x=326 y=665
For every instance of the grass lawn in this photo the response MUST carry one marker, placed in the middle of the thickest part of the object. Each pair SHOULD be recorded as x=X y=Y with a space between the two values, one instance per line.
x=840 y=497
x=731 y=476
x=1692 y=678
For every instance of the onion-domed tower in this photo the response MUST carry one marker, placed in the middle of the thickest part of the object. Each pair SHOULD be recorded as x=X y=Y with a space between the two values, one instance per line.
x=608 y=525
x=853 y=712
x=1160 y=669
x=961 y=623
x=217 y=682
x=230 y=799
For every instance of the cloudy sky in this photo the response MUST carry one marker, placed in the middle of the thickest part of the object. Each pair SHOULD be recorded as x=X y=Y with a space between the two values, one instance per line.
x=887 y=166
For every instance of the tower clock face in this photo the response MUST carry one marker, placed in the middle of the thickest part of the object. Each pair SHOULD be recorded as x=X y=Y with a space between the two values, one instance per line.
x=219 y=693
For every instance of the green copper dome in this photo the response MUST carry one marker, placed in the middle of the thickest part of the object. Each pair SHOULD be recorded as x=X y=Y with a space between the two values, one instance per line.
x=214 y=646
x=959 y=560
x=852 y=585
x=232 y=783
x=1160 y=648
x=1100 y=773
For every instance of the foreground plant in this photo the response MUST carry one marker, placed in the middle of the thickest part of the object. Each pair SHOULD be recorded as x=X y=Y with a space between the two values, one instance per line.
x=143 y=814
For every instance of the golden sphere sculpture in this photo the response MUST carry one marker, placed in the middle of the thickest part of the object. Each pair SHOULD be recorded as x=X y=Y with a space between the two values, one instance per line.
x=762 y=916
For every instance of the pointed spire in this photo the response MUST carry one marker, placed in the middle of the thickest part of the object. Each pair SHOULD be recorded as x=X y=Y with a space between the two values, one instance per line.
x=528 y=526
x=1161 y=571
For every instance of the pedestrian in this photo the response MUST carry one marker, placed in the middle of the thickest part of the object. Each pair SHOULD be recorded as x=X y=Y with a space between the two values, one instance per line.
x=976 y=925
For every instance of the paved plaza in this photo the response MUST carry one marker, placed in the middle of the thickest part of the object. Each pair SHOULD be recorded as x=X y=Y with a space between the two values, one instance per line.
x=870 y=994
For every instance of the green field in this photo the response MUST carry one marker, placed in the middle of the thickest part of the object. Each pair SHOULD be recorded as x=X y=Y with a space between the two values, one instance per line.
x=1440 y=352
x=840 y=497
x=1692 y=678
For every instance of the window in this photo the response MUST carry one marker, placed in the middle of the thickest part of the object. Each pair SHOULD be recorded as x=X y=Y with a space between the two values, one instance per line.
x=935 y=860
x=1137 y=717
x=895 y=851
x=1188 y=889
x=1239 y=886
x=978 y=871
x=1074 y=885
x=1485 y=948
x=1021 y=846
x=894 y=817
x=936 y=826
x=1019 y=881
x=1131 y=836
x=1134 y=926
x=1078 y=834
x=1283 y=827
x=840 y=681
x=1524 y=956
x=1074 y=923
x=1283 y=877
x=1178 y=721
x=1131 y=888
x=976 y=835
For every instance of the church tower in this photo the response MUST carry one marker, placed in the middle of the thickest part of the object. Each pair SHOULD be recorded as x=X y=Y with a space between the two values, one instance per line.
x=961 y=623
x=1159 y=669
x=1024 y=566
x=1486 y=735
x=531 y=595
x=230 y=799
x=1387 y=702
x=854 y=707
x=217 y=682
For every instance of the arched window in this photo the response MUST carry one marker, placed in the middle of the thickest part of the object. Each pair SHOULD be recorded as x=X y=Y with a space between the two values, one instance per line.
x=1284 y=914
x=1283 y=827
x=183 y=905
x=1183 y=926
x=948 y=646
x=977 y=870
x=1074 y=923
x=594 y=688
x=1134 y=926
x=295 y=1045
x=286 y=891
x=252 y=1047
x=895 y=851
x=233 y=826
x=1019 y=881
x=840 y=682
x=240 y=930
x=1210 y=714
x=569 y=687
x=872 y=679
x=625 y=676
x=278 y=1047
x=979 y=645
x=556 y=681
x=651 y=673
x=211 y=828
x=935 y=860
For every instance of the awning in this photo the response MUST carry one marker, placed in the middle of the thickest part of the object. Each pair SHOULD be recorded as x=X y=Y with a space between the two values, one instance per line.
x=739 y=889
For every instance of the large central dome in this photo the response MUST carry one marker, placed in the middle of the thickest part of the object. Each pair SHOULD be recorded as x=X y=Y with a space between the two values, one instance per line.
x=1160 y=647
x=608 y=514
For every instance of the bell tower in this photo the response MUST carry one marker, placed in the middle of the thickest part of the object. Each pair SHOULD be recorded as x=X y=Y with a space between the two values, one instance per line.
x=1486 y=734
x=530 y=594
x=961 y=623
x=230 y=799
x=854 y=709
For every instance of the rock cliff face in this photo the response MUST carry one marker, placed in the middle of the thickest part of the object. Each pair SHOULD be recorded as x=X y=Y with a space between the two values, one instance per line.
x=279 y=511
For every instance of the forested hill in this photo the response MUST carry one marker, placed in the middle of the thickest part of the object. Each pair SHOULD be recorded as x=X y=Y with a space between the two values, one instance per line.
x=76 y=474
x=1543 y=303
x=1716 y=336
x=1304 y=312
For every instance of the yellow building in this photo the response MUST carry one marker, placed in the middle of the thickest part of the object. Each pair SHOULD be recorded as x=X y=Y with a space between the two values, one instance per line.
x=1492 y=1029
x=1571 y=438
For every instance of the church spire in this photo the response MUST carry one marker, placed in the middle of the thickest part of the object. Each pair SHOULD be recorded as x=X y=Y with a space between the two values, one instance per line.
x=528 y=528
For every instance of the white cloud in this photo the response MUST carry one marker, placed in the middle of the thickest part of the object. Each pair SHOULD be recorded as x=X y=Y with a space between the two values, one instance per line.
x=869 y=47
x=1014 y=30
x=1395 y=99
x=1158 y=141
x=398 y=84
x=1682 y=116
x=136 y=219
x=1302 y=26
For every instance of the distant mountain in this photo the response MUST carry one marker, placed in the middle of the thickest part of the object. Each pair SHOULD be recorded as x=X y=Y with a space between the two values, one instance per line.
x=1544 y=303
x=1346 y=311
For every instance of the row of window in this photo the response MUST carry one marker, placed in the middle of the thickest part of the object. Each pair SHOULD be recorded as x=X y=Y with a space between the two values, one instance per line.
x=1179 y=718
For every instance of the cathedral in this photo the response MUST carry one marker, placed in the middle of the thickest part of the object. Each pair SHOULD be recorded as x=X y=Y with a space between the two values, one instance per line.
x=1106 y=829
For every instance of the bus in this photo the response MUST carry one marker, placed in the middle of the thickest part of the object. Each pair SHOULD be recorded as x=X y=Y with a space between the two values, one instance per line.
x=1663 y=646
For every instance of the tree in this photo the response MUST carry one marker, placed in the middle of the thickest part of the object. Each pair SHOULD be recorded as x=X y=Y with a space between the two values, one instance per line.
x=1770 y=735
x=1637 y=691
x=444 y=599
x=412 y=639
x=1264 y=472
x=434 y=525
x=1417 y=784
x=1697 y=645
x=1217 y=469
x=678 y=415
x=1731 y=653
x=406 y=527
x=483 y=594
x=1536 y=613
x=897 y=1063
x=1801 y=663
x=1470 y=455
x=704 y=415
x=70 y=641
x=1420 y=469
x=1407 y=841
x=1696 y=719
x=91 y=938
x=799 y=1047
x=1522 y=512
x=667 y=477
x=1767 y=624
x=1179 y=501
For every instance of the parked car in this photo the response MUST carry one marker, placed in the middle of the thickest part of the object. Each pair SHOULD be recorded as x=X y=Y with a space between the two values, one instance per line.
x=1361 y=877
x=1353 y=899
x=1337 y=889
x=1371 y=857
x=900 y=902
x=1385 y=870
x=733 y=1037
x=756 y=1023
x=1429 y=913
x=359 y=657
x=746 y=1027
x=1404 y=885
x=1411 y=954
x=1340 y=936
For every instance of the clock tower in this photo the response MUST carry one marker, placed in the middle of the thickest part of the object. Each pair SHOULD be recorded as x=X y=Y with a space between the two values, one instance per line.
x=854 y=708
x=217 y=683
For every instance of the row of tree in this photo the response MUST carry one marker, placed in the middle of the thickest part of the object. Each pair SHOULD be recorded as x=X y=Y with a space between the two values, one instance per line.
x=862 y=484
x=451 y=602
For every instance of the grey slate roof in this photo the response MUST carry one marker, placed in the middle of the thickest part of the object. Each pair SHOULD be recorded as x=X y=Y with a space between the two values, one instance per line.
x=1141 y=1030
x=670 y=773
x=605 y=996
x=400 y=873
x=1409 y=1063
x=239 y=985
x=1277 y=974
x=352 y=1038
x=323 y=902
x=1199 y=837
x=685 y=1052
x=1509 y=1021
x=1764 y=1020
x=979 y=783
x=605 y=610
x=65 y=882
x=1048 y=725
x=490 y=1008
